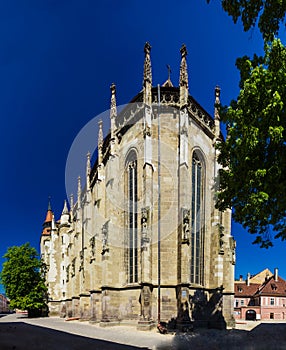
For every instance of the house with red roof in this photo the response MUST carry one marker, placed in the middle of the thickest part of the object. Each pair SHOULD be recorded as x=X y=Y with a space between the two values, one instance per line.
x=260 y=297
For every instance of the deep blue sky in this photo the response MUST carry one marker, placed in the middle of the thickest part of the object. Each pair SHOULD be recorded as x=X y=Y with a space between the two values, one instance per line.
x=57 y=61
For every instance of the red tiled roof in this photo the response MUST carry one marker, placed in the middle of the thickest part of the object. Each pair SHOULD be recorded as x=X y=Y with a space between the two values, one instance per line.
x=49 y=216
x=269 y=287
x=243 y=290
x=272 y=287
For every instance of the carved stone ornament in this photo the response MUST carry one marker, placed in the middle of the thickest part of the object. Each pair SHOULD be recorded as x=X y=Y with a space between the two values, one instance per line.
x=81 y=258
x=146 y=131
x=73 y=267
x=105 y=238
x=232 y=245
x=185 y=225
x=217 y=102
x=146 y=301
x=144 y=226
x=113 y=107
x=183 y=67
x=220 y=239
x=92 y=248
x=147 y=64
x=184 y=130
x=67 y=273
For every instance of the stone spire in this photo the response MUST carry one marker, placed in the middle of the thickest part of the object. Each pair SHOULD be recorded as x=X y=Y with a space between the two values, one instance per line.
x=65 y=214
x=88 y=168
x=184 y=84
x=113 y=108
x=216 y=111
x=78 y=192
x=65 y=208
x=71 y=202
x=147 y=76
x=113 y=115
x=71 y=206
x=100 y=142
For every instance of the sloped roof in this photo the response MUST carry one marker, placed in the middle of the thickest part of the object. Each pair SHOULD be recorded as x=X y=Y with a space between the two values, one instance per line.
x=261 y=276
x=268 y=286
x=241 y=289
x=49 y=216
x=272 y=287
x=168 y=83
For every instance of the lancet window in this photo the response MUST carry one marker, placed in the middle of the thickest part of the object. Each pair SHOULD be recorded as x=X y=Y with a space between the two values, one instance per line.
x=132 y=219
x=197 y=219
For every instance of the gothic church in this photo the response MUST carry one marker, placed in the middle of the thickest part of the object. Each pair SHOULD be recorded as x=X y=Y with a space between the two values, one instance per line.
x=144 y=242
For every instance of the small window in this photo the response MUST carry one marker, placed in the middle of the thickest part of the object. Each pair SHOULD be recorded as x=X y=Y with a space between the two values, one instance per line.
x=271 y=316
x=271 y=301
x=239 y=289
x=273 y=286
x=242 y=302
x=236 y=303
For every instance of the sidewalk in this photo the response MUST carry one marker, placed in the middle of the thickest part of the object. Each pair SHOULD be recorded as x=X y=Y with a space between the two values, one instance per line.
x=20 y=333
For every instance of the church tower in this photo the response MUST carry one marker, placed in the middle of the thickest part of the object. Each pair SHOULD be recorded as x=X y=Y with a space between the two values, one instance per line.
x=47 y=225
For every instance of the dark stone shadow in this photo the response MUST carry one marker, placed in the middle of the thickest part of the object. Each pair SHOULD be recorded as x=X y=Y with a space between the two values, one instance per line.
x=207 y=313
x=183 y=321
x=21 y=336
x=198 y=312
x=266 y=336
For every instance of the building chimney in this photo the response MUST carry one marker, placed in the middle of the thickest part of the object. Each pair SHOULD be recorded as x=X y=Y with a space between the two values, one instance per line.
x=266 y=277
x=248 y=279
x=276 y=274
x=240 y=278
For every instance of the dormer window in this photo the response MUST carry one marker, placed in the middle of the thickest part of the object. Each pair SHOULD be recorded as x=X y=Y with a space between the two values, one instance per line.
x=273 y=286
x=239 y=289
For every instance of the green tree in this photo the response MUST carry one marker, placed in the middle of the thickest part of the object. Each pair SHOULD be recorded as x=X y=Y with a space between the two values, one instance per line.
x=253 y=181
x=22 y=277
x=269 y=14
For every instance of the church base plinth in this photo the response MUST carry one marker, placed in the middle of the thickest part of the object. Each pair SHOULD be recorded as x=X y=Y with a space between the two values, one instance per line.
x=93 y=320
x=145 y=325
x=109 y=323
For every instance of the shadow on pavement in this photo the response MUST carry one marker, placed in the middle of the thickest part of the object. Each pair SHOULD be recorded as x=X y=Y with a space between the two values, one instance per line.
x=22 y=336
x=266 y=336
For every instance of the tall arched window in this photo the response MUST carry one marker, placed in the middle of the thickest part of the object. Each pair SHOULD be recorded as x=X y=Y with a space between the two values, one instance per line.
x=132 y=239
x=197 y=220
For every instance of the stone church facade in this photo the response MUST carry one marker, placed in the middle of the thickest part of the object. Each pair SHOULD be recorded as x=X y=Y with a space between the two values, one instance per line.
x=144 y=242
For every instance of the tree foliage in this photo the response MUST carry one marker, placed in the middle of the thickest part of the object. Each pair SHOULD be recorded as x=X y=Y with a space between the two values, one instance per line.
x=253 y=181
x=23 y=279
x=269 y=14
